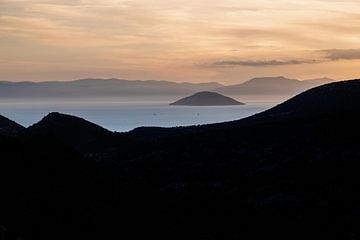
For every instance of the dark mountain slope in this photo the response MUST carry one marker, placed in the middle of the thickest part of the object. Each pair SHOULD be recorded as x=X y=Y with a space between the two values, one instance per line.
x=72 y=130
x=329 y=99
x=292 y=176
x=206 y=99
x=45 y=186
x=9 y=127
x=324 y=110
x=283 y=174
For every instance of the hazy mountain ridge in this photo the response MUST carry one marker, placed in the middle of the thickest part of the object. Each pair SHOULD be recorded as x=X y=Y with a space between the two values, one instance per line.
x=104 y=88
x=150 y=89
x=272 y=86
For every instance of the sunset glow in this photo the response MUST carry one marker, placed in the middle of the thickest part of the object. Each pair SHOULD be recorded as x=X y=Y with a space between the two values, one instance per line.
x=226 y=41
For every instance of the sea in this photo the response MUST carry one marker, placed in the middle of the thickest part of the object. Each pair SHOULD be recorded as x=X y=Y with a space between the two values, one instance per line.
x=122 y=116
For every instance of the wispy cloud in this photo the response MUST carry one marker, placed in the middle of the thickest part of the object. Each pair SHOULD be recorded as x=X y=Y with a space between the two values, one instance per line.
x=261 y=63
x=342 y=54
x=327 y=55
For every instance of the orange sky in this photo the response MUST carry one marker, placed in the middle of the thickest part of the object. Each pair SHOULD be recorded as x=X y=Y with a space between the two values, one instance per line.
x=228 y=41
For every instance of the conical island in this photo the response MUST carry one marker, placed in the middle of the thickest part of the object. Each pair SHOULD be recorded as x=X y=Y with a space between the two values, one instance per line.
x=207 y=99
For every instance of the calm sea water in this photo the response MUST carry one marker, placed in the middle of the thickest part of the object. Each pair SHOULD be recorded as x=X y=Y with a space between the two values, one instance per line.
x=125 y=116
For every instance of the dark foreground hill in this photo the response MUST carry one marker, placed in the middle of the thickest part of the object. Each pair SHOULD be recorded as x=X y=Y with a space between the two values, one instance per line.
x=206 y=99
x=329 y=99
x=9 y=127
x=72 y=130
x=288 y=173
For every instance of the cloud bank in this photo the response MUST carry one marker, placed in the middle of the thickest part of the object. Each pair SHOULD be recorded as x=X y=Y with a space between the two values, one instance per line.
x=262 y=63
x=342 y=54
x=329 y=55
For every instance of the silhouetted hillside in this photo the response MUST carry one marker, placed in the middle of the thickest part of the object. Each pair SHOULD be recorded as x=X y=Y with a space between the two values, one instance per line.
x=72 y=130
x=206 y=99
x=289 y=173
x=44 y=184
x=9 y=127
x=325 y=100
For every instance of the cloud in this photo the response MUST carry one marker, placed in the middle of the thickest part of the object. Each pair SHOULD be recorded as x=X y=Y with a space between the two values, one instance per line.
x=261 y=63
x=329 y=55
x=342 y=54
x=178 y=39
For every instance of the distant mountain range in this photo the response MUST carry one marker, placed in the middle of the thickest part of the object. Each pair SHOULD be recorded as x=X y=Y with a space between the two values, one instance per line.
x=101 y=88
x=267 y=86
x=152 y=89
x=291 y=172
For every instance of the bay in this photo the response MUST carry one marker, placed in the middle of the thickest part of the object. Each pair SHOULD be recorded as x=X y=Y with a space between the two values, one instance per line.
x=124 y=116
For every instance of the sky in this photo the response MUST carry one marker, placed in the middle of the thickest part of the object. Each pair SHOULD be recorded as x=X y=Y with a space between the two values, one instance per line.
x=227 y=41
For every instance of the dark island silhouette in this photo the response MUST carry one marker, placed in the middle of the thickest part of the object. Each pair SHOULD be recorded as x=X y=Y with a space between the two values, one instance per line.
x=206 y=99
x=291 y=172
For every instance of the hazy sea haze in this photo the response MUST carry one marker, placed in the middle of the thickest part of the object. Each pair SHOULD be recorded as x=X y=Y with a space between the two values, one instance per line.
x=123 y=116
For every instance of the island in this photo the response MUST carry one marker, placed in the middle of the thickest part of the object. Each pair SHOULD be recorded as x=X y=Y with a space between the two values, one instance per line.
x=206 y=99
